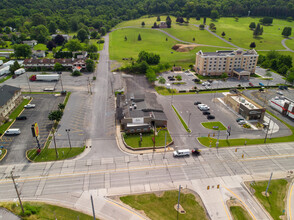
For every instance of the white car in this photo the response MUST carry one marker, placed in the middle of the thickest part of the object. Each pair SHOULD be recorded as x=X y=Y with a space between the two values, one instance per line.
x=280 y=93
x=30 y=106
x=242 y=122
x=206 y=84
x=203 y=107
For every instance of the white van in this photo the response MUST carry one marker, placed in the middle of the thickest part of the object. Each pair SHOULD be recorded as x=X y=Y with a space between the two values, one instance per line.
x=182 y=153
x=12 y=131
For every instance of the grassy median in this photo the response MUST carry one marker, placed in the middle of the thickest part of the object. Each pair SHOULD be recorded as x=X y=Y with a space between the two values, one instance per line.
x=211 y=125
x=40 y=210
x=239 y=213
x=162 y=207
x=182 y=120
x=3 y=153
x=274 y=203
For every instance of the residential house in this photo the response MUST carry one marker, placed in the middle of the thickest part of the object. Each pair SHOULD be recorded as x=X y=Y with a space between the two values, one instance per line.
x=10 y=98
x=39 y=53
x=31 y=43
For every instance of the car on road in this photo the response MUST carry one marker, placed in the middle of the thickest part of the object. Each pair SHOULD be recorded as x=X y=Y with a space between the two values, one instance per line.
x=206 y=84
x=172 y=79
x=210 y=80
x=30 y=106
x=240 y=119
x=21 y=118
x=251 y=84
x=206 y=113
x=181 y=153
x=280 y=93
x=196 y=80
x=261 y=84
x=242 y=122
x=197 y=103
x=210 y=117
x=196 y=152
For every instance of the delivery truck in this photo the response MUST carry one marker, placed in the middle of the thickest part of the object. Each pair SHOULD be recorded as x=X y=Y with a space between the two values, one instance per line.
x=4 y=70
x=45 y=77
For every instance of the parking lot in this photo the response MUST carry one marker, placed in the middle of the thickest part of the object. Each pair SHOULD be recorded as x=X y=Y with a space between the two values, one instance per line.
x=17 y=145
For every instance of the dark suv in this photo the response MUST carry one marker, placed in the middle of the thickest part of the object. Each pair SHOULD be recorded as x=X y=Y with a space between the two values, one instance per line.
x=196 y=152
x=21 y=118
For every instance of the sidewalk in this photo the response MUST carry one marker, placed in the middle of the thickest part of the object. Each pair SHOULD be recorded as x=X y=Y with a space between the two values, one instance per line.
x=123 y=148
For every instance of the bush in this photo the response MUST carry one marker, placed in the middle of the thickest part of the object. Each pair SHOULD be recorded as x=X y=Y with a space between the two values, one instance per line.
x=182 y=91
x=161 y=80
x=94 y=78
x=76 y=73
x=179 y=77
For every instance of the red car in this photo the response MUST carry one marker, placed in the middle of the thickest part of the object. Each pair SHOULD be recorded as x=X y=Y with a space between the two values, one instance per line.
x=250 y=84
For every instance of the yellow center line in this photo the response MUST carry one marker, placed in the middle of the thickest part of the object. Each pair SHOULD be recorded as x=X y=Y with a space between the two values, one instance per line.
x=289 y=207
x=64 y=175
x=241 y=202
x=225 y=207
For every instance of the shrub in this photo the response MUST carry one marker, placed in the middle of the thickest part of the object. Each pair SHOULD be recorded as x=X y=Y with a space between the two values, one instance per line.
x=94 y=78
x=76 y=73
x=178 y=77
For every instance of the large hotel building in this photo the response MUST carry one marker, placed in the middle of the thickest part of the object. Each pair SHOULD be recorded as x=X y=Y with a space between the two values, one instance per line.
x=235 y=63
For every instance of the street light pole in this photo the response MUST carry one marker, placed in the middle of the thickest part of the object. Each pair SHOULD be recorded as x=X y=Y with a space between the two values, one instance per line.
x=267 y=130
x=67 y=131
x=53 y=130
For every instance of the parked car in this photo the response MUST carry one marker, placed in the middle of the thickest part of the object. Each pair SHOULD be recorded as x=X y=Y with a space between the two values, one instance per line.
x=196 y=80
x=261 y=84
x=240 y=119
x=12 y=131
x=210 y=80
x=172 y=79
x=242 y=122
x=203 y=107
x=30 y=106
x=21 y=118
x=281 y=87
x=206 y=113
x=196 y=152
x=197 y=103
x=280 y=93
x=210 y=117
x=251 y=84
x=181 y=153
x=206 y=84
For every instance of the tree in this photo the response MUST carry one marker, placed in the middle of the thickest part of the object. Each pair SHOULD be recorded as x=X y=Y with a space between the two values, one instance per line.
x=168 y=21
x=204 y=20
x=150 y=58
x=252 y=45
x=201 y=27
x=90 y=65
x=158 y=18
x=52 y=27
x=61 y=106
x=258 y=30
x=2 y=43
x=74 y=24
x=287 y=31
x=139 y=37
x=40 y=33
x=103 y=31
x=38 y=19
x=55 y=115
x=126 y=38
x=197 y=18
x=266 y=20
x=252 y=25
x=51 y=45
x=223 y=34
x=236 y=19
x=166 y=39
x=82 y=35
x=14 y=67
x=214 y=14
x=150 y=74
x=193 y=38
x=94 y=34
x=143 y=24
x=58 y=67
x=161 y=80
x=22 y=50
x=92 y=48
x=290 y=75
x=211 y=25
x=76 y=73
x=59 y=39
x=73 y=45
x=63 y=25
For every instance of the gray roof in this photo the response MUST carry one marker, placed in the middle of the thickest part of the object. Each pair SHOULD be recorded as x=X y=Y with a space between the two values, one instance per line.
x=6 y=93
x=159 y=116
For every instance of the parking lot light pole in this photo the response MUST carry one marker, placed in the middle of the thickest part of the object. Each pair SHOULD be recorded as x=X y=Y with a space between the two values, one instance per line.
x=53 y=131
x=67 y=131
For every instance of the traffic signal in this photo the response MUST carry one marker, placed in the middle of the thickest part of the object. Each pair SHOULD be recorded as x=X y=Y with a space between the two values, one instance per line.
x=208 y=187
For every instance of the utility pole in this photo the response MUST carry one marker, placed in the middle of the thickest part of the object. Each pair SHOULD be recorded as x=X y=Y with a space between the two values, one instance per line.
x=164 y=146
x=67 y=131
x=268 y=184
x=12 y=177
x=267 y=130
x=179 y=202
x=53 y=131
x=93 y=207
x=28 y=82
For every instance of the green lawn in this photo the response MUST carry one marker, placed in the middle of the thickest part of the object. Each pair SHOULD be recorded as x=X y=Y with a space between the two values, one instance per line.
x=5 y=78
x=40 y=210
x=242 y=36
x=162 y=207
x=274 y=203
x=133 y=140
x=182 y=120
x=290 y=43
x=239 y=213
x=3 y=153
x=40 y=47
x=49 y=154
x=152 y=41
x=210 y=125
x=13 y=115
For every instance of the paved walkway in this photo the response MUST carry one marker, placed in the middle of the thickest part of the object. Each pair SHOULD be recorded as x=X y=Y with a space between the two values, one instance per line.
x=7 y=215
x=284 y=44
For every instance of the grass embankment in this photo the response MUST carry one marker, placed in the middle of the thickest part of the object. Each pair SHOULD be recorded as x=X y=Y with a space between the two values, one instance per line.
x=210 y=125
x=274 y=203
x=49 y=154
x=40 y=210
x=13 y=115
x=239 y=142
x=3 y=153
x=182 y=120
x=5 y=78
x=239 y=213
x=133 y=140
x=162 y=207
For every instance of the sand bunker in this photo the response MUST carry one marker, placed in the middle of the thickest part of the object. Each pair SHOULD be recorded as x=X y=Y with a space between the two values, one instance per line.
x=183 y=47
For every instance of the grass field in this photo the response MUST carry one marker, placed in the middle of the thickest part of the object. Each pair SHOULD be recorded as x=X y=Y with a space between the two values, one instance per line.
x=40 y=210
x=162 y=207
x=239 y=213
x=274 y=203
x=290 y=43
x=40 y=47
x=133 y=140
x=210 y=125
x=152 y=41
x=13 y=115
x=242 y=36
